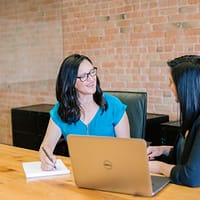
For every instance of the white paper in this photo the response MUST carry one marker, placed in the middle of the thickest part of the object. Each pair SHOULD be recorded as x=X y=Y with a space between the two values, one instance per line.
x=33 y=169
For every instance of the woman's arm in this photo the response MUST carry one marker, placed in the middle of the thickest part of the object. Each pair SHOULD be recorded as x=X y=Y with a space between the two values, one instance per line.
x=49 y=142
x=122 y=129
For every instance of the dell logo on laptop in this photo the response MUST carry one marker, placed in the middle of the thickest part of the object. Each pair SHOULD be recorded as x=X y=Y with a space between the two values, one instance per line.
x=107 y=164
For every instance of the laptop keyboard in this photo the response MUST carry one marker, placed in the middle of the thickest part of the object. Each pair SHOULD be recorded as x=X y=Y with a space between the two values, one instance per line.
x=158 y=182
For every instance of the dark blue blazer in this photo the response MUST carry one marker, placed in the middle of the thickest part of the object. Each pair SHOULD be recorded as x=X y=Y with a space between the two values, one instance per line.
x=187 y=169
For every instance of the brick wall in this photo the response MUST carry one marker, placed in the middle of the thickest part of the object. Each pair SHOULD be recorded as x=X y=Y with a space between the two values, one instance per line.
x=21 y=94
x=31 y=48
x=128 y=40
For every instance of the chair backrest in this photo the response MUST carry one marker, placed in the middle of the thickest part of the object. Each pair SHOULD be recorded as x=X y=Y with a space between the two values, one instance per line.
x=136 y=110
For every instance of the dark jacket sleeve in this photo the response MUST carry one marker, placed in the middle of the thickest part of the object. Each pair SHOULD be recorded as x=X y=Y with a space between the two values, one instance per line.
x=188 y=171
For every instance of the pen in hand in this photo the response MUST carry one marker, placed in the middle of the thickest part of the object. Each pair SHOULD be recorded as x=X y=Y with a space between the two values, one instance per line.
x=44 y=150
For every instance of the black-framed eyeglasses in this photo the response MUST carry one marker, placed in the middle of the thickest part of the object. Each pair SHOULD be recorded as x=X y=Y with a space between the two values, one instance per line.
x=91 y=73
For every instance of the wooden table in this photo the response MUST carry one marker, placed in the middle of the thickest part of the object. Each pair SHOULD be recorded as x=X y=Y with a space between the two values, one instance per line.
x=13 y=183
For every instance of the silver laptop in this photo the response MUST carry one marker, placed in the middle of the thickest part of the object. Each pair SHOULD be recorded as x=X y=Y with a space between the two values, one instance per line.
x=113 y=164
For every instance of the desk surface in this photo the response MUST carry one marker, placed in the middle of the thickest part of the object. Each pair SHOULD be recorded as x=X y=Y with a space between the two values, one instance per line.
x=13 y=184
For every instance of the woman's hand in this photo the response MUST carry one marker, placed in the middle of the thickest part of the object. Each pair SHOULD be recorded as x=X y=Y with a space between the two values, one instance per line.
x=154 y=167
x=157 y=167
x=47 y=163
x=155 y=151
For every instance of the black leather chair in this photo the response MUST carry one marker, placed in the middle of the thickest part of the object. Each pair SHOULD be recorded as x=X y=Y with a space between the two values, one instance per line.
x=136 y=110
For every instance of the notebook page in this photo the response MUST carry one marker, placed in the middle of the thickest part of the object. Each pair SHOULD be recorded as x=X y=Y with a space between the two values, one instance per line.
x=33 y=169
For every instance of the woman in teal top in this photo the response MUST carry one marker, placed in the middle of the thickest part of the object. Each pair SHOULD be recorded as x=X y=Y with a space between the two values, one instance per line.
x=82 y=108
x=102 y=124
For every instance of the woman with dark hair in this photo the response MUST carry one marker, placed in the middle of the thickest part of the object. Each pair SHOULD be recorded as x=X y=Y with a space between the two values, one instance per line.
x=82 y=108
x=185 y=84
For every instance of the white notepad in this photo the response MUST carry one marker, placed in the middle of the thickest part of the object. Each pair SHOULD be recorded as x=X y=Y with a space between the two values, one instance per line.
x=33 y=169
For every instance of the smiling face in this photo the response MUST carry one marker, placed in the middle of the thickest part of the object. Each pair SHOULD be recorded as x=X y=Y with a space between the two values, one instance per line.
x=87 y=86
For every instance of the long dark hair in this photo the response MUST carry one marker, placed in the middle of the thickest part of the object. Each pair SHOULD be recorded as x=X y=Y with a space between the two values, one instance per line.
x=69 y=107
x=185 y=72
